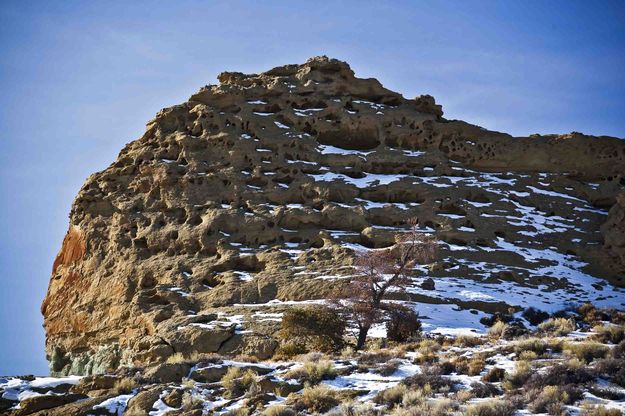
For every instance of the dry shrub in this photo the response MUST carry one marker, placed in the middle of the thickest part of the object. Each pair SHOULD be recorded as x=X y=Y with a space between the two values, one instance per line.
x=607 y=392
x=356 y=409
x=551 y=399
x=494 y=375
x=436 y=382
x=125 y=385
x=482 y=390
x=476 y=365
x=469 y=341
x=379 y=356
x=586 y=351
x=591 y=314
x=535 y=345
x=571 y=372
x=426 y=353
x=522 y=372
x=528 y=356
x=440 y=407
x=557 y=327
x=391 y=396
x=498 y=329
x=177 y=358
x=613 y=369
x=600 y=410
x=416 y=396
x=239 y=411
x=463 y=396
x=237 y=381
x=313 y=371
x=312 y=328
x=388 y=368
x=404 y=325
x=609 y=334
x=320 y=398
x=279 y=410
x=491 y=408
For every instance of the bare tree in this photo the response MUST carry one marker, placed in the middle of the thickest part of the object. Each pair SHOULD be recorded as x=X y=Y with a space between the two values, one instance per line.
x=379 y=271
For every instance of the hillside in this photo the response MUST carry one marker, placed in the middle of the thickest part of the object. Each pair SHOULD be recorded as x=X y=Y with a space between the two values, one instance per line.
x=254 y=196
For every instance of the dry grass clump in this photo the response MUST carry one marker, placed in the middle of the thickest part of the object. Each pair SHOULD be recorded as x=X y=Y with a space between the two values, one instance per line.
x=437 y=383
x=568 y=373
x=522 y=372
x=426 y=352
x=195 y=357
x=320 y=398
x=313 y=372
x=527 y=356
x=491 y=408
x=498 y=329
x=494 y=375
x=469 y=341
x=594 y=410
x=587 y=351
x=177 y=358
x=239 y=411
x=609 y=334
x=551 y=399
x=388 y=368
x=125 y=385
x=606 y=392
x=279 y=410
x=475 y=366
x=440 y=407
x=613 y=369
x=557 y=327
x=356 y=409
x=237 y=381
x=416 y=396
x=391 y=396
x=380 y=356
x=539 y=346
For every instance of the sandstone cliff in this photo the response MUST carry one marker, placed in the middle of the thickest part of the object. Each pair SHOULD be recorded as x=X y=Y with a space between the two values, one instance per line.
x=253 y=195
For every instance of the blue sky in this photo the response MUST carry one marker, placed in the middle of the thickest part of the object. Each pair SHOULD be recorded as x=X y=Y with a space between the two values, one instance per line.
x=78 y=80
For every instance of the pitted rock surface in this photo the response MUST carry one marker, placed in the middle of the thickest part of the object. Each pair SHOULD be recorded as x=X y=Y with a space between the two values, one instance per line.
x=253 y=195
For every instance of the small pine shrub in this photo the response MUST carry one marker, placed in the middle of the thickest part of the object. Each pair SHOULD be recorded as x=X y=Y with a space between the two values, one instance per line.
x=403 y=325
x=313 y=328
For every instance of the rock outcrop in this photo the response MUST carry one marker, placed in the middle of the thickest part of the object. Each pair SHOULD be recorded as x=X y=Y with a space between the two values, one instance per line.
x=253 y=195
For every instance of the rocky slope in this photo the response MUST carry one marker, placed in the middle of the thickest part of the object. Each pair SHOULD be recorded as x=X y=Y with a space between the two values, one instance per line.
x=253 y=195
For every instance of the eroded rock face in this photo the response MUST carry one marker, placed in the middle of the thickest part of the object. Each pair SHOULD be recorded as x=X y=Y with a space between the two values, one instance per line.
x=257 y=191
